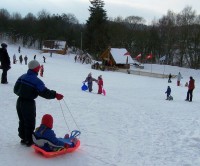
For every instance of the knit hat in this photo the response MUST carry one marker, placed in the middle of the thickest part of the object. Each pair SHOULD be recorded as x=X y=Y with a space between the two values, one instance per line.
x=4 y=45
x=90 y=74
x=47 y=120
x=34 y=65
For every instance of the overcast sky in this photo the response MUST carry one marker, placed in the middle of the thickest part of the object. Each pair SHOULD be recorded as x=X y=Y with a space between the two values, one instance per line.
x=148 y=9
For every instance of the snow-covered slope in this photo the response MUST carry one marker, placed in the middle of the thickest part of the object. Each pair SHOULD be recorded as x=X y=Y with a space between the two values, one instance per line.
x=133 y=125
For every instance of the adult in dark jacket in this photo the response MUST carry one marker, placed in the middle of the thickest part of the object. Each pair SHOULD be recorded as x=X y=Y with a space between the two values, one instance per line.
x=191 y=87
x=5 y=62
x=25 y=59
x=89 y=79
x=169 y=78
x=28 y=87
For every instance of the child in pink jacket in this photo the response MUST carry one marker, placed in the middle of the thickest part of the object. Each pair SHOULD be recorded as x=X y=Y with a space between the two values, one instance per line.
x=100 y=84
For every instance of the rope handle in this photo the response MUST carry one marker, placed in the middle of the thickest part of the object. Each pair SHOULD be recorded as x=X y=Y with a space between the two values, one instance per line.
x=70 y=114
x=64 y=117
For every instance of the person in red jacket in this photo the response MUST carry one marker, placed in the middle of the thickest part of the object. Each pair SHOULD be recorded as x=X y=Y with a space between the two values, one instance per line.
x=100 y=84
x=191 y=87
x=41 y=70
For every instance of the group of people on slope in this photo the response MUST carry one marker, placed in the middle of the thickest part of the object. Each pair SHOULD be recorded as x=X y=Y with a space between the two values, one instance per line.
x=190 y=86
x=89 y=79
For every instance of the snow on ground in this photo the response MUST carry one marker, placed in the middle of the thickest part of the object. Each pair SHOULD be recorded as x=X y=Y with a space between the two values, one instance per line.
x=132 y=125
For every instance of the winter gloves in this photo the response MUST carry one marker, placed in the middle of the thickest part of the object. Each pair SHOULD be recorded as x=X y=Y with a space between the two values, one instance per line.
x=59 y=96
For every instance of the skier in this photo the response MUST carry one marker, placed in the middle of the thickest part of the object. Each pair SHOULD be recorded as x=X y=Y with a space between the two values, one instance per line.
x=100 y=84
x=45 y=138
x=27 y=88
x=89 y=79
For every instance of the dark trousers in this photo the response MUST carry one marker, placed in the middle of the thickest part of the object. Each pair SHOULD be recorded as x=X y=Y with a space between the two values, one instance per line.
x=90 y=87
x=26 y=111
x=189 y=94
x=4 y=76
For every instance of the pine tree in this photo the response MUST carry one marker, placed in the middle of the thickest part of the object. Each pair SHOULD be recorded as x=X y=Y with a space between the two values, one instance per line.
x=96 y=39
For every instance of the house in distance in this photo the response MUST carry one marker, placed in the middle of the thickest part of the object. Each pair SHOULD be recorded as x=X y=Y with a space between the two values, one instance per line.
x=118 y=57
x=54 y=46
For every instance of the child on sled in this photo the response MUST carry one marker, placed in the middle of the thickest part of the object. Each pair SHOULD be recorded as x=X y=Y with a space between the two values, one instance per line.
x=168 y=92
x=45 y=138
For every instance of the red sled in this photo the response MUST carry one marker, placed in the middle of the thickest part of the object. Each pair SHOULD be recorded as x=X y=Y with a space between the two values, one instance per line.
x=54 y=154
x=104 y=92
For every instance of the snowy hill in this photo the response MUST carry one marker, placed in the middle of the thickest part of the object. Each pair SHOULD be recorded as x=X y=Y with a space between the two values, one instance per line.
x=133 y=125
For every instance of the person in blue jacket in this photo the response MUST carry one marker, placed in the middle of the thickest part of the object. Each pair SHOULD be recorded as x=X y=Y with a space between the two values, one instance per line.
x=168 y=92
x=28 y=87
x=89 y=79
x=45 y=138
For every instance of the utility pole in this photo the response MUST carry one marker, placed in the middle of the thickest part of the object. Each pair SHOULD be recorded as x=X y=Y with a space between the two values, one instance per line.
x=81 y=40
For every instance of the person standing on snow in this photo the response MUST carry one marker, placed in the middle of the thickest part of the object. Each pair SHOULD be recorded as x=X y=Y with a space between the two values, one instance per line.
x=5 y=63
x=179 y=77
x=25 y=59
x=28 y=87
x=191 y=87
x=19 y=49
x=169 y=78
x=20 y=59
x=100 y=84
x=168 y=92
x=89 y=79
x=14 y=59
x=44 y=59
x=41 y=70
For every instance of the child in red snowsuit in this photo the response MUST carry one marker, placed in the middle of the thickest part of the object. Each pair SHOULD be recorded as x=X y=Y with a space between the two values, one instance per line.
x=100 y=84
x=41 y=70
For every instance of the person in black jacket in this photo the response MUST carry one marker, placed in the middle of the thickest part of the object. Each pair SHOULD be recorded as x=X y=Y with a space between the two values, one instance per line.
x=28 y=87
x=5 y=63
x=169 y=78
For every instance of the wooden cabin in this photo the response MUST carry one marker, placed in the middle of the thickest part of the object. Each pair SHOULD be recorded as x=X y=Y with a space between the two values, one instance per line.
x=118 y=57
x=54 y=46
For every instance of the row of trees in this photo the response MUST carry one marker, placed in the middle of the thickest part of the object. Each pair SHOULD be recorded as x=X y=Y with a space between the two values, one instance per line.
x=175 y=35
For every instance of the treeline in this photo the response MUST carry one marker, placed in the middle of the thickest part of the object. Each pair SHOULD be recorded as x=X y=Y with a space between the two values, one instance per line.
x=175 y=35
x=43 y=27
